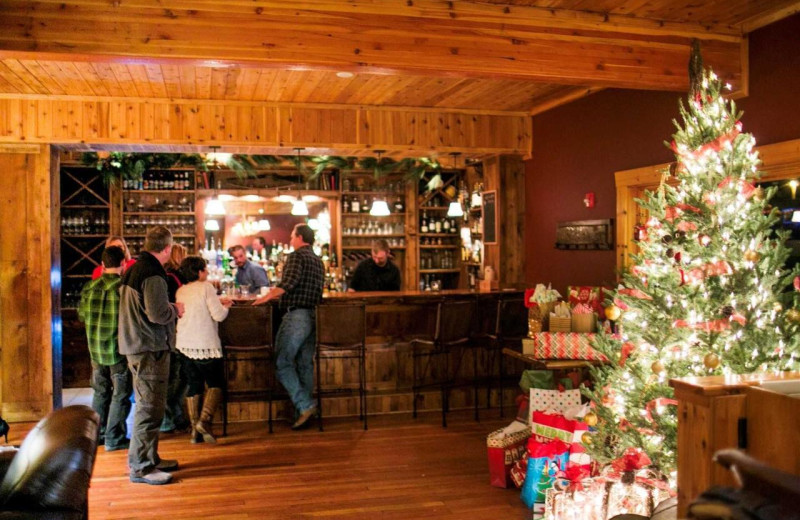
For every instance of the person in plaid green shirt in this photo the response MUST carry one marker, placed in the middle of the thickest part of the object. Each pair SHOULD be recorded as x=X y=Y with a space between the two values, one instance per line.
x=111 y=380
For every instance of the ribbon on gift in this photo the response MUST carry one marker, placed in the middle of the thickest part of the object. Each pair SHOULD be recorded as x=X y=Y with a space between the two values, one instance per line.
x=549 y=449
x=572 y=479
x=632 y=467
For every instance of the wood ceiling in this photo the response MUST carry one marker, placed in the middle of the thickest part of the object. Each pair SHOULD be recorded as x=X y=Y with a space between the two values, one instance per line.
x=511 y=56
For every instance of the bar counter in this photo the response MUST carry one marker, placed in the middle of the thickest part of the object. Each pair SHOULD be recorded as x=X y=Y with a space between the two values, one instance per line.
x=393 y=319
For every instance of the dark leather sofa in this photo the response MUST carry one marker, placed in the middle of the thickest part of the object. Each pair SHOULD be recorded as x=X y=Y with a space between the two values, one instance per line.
x=48 y=478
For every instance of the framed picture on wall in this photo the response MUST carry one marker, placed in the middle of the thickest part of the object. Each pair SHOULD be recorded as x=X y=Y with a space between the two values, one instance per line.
x=489 y=212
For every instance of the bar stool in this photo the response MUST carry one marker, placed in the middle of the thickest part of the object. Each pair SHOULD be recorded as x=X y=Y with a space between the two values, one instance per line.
x=342 y=335
x=511 y=329
x=246 y=336
x=452 y=329
x=483 y=337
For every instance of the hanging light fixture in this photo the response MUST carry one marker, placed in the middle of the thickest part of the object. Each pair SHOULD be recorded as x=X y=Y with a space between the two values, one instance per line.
x=214 y=158
x=379 y=206
x=299 y=207
x=212 y=225
x=455 y=209
x=215 y=207
x=263 y=225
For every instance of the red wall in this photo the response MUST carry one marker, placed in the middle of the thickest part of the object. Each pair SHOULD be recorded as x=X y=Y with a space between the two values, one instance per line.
x=578 y=147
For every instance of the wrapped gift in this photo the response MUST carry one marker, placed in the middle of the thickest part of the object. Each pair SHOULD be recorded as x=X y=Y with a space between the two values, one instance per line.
x=587 y=295
x=631 y=487
x=583 y=319
x=553 y=401
x=506 y=446
x=545 y=460
x=519 y=470
x=575 y=496
x=565 y=345
x=540 y=302
x=545 y=426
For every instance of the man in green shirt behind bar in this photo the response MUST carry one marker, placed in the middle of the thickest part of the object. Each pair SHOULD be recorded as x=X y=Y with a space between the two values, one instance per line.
x=111 y=380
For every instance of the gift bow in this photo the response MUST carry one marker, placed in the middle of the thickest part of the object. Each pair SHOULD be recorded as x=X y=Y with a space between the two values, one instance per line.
x=549 y=449
x=631 y=467
x=572 y=479
x=633 y=459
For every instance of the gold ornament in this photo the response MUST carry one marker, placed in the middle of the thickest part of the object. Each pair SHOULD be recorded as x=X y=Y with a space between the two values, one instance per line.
x=777 y=307
x=759 y=193
x=657 y=367
x=590 y=419
x=793 y=315
x=711 y=360
x=752 y=256
x=613 y=312
x=451 y=191
x=586 y=438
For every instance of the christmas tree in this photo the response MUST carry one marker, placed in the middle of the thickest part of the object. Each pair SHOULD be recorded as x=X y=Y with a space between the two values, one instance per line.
x=708 y=293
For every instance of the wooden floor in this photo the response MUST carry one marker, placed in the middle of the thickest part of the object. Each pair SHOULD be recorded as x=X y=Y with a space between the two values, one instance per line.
x=400 y=468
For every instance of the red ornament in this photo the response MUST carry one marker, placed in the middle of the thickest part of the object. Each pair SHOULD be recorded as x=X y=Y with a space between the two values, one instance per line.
x=797 y=283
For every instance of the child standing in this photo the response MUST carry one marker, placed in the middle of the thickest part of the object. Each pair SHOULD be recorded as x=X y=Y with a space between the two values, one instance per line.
x=111 y=380
x=198 y=340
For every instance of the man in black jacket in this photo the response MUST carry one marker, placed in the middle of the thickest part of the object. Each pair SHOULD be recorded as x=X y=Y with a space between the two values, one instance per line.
x=377 y=273
x=146 y=330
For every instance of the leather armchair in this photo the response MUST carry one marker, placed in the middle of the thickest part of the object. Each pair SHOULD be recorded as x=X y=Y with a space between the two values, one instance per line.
x=48 y=478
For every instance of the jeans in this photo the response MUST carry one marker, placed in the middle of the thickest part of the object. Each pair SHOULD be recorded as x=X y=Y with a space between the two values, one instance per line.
x=295 y=344
x=112 y=401
x=174 y=418
x=150 y=374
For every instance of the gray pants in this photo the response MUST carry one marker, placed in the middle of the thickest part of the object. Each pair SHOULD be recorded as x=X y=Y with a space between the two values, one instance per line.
x=112 y=401
x=150 y=374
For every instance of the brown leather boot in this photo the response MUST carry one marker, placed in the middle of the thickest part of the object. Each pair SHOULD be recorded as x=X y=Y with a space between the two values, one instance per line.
x=193 y=409
x=212 y=398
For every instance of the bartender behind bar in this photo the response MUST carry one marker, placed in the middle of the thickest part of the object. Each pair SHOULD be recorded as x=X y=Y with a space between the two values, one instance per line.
x=377 y=273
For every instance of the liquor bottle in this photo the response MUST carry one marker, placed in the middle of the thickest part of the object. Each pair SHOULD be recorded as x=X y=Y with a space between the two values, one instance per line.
x=423 y=227
x=364 y=205
x=438 y=226
x=355 y=207
x=446 y=225
x=399 y=207
x=345 y=206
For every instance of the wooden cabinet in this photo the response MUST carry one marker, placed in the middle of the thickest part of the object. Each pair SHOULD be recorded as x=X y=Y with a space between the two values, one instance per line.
x=720 y=412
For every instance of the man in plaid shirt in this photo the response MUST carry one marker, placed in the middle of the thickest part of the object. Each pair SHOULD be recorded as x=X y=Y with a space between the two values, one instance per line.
x=111 y=380
x=300 y=291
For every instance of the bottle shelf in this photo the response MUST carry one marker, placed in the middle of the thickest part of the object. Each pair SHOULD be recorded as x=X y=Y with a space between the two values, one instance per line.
x=384 y=193
x=158 y=191
x=454 y=235
x=168 y=213
x=84 y=206
x=390 y=235
x=439 y=271
x=392 y=214
x=174 y=235
x=440 y=247
x=434 y=208
x=89 y=235
x=368 y=248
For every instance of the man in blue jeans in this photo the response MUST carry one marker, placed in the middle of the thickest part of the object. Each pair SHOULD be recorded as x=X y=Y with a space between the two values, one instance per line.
x=300 y=291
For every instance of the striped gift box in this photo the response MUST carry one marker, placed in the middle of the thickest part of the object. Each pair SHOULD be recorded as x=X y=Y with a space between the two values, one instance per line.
x=562 y=345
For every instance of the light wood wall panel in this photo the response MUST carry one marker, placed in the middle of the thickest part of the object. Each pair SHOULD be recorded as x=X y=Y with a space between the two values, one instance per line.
x=26 y=364
x=346 y=129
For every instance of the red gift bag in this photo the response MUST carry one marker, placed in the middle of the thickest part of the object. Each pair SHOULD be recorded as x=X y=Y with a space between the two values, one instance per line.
x=504 y=449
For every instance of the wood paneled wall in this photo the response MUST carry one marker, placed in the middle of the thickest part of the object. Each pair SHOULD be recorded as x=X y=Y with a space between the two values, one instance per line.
x=26 y=360
x=102 y=121
x=506 y=175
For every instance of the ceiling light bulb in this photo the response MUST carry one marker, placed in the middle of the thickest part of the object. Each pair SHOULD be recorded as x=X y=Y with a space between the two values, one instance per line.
x=379 y=209
x=299 y=208
x=455 y=210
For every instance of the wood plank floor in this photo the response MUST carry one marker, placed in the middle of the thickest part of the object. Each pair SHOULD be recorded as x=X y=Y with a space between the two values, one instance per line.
x=400 y=468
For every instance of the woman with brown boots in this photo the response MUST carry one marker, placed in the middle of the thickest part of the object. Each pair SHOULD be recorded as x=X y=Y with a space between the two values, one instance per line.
x=198 y=341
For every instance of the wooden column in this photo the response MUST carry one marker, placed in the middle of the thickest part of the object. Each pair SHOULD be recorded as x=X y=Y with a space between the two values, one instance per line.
x=506 y=175
x=26 y=309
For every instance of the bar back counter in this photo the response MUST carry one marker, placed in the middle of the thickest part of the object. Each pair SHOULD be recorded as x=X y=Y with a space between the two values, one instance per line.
x=393 y=319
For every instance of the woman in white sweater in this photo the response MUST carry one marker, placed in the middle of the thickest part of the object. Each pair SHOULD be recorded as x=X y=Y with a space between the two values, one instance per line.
x=198 y=341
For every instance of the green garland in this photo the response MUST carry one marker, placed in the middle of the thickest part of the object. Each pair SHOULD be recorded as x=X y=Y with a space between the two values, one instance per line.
x=123 y=165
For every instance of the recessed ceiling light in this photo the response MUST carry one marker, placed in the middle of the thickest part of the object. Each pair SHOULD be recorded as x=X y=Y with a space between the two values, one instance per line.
x=344 y=74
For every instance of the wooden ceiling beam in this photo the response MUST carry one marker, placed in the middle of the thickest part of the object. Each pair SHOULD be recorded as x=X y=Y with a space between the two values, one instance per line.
x=778 y=11
x=463 y=39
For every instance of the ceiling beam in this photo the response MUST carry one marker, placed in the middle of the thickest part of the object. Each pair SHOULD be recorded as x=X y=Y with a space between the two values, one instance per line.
x=779 y=10
x=428 y=37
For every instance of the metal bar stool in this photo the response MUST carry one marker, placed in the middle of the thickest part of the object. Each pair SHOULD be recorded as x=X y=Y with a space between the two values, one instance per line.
x=453 y=327
x=511 y=329
x=483 y=337
x=342 y=335
x=246 y=336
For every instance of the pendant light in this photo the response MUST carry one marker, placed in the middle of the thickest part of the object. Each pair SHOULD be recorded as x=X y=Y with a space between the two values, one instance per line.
x=214 y=206
x=379 y=206
x=212 y=225
x=455 y=209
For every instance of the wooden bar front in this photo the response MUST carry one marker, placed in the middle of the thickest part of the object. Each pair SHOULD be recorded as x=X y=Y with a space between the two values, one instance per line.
x=709 y=413
x=393 y=320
